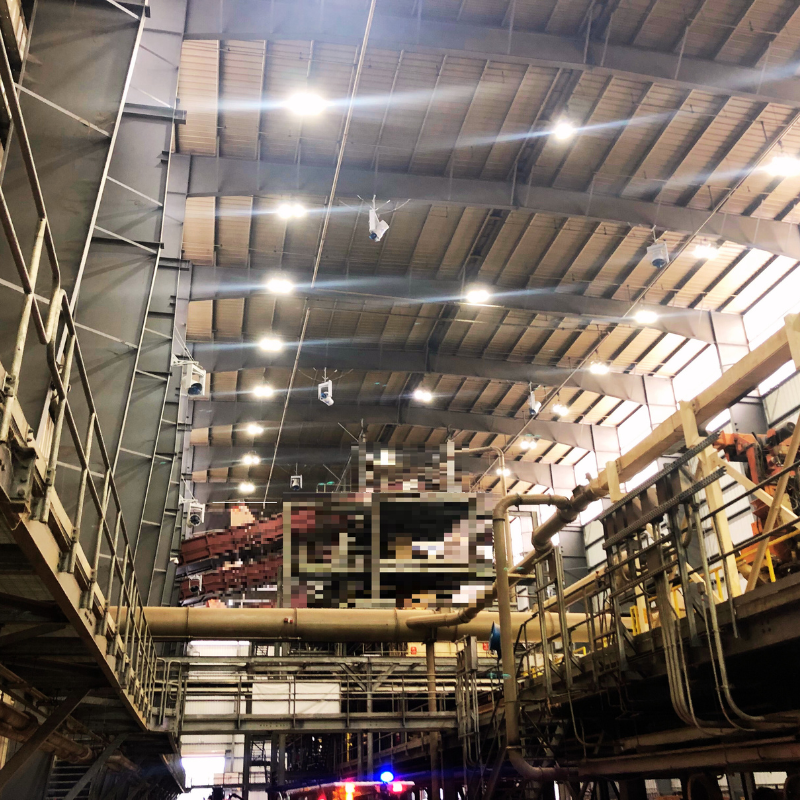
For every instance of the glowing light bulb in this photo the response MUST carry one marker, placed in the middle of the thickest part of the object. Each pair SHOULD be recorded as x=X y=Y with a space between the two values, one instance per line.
x=254 y=430
x=291 y=211
x=246 y=487
x=506 y=472
x=706 y=251
x=250 y=460
x=598 y=368
x=265 y=390
x=279 y=285
x=423 y=395
x=563 y=131
x=306 y=104
x=645 y=317
x=271 y=344
x=560 y=410
x=784 y=167
x=478 y=296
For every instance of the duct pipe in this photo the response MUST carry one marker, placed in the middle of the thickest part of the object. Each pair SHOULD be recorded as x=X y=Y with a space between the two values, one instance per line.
x=427 y=621
x=726 y=758
x=325 y=624
x=502 y=590
x=19 y=726
x=538 y=774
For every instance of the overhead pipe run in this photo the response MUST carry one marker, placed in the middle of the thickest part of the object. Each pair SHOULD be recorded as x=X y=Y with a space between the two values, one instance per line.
x=499 y=529
x=325 y=624
x=20 y=726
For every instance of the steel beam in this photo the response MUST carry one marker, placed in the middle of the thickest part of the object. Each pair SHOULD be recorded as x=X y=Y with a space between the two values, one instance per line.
x=292 y=21
x=224 y=177
x=385 y=292
x=737 y=381
x=31 y=632
x=194 y=724
x=588 y=437
x=638 y=388
x=532 y=472
x=40 y=735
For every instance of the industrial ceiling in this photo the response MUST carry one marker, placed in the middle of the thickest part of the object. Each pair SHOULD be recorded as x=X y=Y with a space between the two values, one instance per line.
x=532 y=149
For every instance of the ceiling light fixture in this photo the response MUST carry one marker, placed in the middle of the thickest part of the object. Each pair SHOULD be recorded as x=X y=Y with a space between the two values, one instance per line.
x=784 y=167
x=705 y=251
x=505 y=472
x=423 y=395
x=265 y=390
x=525 y=444
x=255 y=430
x=271 y=344
x=246 y=487
x=477 y=296
x=291 y=211
x=564 y=130
x=598 y=368
x=278 y=285
x=646 y=317
x=560 y=410
x=306 y=104
x=250 y=460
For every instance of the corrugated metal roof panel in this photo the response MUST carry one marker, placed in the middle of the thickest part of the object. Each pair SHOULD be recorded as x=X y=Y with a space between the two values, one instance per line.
x=199 y=230
x=228 y=318
x=233 y=231
x=431 y=246
x=603 y=407
x=223 y=385
x=759 y=285
x=199 y=324
x=519 y=121
x=688 y=350
x=490 y=106
x=198 y=81
x=267 y=235
x=242 y=76
x=753 y=35
x=285 y=71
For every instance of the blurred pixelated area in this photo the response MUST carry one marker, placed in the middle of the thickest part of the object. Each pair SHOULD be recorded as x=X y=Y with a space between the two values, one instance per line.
x=409 y=537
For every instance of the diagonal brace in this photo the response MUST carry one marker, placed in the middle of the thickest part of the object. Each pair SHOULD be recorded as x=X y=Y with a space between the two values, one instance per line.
x=93 y=771
x=40 y=735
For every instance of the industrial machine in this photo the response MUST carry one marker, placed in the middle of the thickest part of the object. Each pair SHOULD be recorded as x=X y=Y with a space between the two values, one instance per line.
x=764 y=459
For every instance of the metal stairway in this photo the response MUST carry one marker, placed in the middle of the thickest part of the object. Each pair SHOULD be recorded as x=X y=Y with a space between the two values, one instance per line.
x=63 y=776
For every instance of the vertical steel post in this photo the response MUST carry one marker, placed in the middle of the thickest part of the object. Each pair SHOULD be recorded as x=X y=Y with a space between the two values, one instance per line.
x=12 y=376
x=69 y=561
x=52 y=461
x=430 y=661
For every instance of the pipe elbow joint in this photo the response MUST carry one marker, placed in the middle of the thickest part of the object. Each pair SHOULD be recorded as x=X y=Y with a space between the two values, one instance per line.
x=539 y=774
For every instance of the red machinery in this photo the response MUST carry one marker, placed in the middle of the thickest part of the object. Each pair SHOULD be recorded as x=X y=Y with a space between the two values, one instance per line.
x=764 y=455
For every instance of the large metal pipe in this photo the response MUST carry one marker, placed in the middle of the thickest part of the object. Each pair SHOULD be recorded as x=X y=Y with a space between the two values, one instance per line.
x=538 y=774
x=19 y=726
x=500 y=513
x=325 y=624
x=725 y=758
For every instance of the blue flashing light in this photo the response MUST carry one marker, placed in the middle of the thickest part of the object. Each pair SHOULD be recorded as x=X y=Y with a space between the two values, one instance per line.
x=387 y=776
